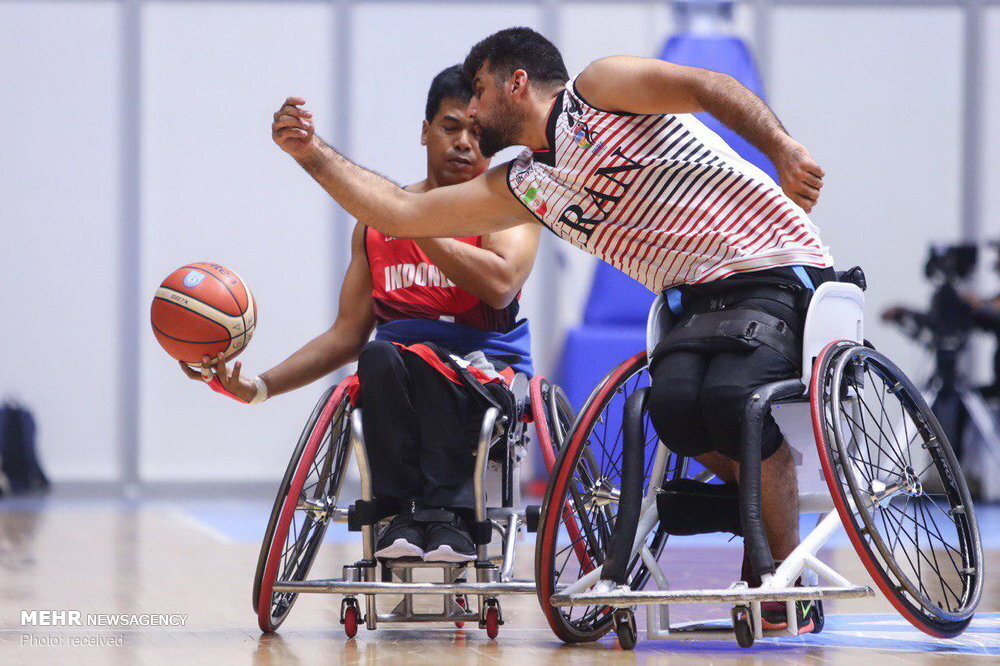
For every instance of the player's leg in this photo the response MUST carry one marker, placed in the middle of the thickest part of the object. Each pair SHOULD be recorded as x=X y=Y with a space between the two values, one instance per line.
x=449 y=417
x=729 y=381
x=391 y=426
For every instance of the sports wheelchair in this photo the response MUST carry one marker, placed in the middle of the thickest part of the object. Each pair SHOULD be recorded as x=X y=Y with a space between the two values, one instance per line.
x=887 y=475
x=310 y=497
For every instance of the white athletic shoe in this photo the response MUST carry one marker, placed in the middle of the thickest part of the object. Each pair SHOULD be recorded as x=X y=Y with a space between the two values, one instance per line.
x=401 y=538
x=400 y=548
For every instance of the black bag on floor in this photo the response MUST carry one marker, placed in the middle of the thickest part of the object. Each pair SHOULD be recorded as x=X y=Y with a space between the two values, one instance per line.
x=19 y=464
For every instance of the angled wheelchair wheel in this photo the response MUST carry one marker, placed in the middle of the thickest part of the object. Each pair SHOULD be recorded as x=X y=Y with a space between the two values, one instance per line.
x=580 y=505
x=897 y=487
x=303 y=507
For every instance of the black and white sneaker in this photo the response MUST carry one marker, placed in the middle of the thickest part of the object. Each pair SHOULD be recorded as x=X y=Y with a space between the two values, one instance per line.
x=449 y=542
x=401 y=538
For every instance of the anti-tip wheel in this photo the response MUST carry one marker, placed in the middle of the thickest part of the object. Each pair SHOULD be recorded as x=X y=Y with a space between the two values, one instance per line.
x=625 y=628
x=743 y=626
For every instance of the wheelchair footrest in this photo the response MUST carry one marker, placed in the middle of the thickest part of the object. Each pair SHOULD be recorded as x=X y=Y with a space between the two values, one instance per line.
x=689 y=507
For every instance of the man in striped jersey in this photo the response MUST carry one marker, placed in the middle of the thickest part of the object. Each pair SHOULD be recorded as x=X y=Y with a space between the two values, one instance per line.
x=616 y=166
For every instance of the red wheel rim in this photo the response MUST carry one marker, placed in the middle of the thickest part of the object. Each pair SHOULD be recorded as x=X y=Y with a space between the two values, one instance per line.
x=548 y=529
x=288 y=507
x=846 y=517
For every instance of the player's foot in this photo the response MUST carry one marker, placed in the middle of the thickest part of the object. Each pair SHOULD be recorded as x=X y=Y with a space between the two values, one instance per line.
x=774 y=615
x=449 y=542
x=401 y=538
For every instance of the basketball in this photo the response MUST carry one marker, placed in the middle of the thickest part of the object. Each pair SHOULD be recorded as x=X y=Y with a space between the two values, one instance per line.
x=203 y=309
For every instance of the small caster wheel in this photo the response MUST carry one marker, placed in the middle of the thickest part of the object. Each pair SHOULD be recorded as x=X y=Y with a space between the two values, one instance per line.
x=819 y=619
x=743 y=626
x=492 y=622
x=463 y=602
x=625 y=628
x=350 y=617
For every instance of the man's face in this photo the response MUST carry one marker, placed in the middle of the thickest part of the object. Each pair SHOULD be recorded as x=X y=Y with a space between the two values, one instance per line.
x=496 y=118
x=453 y=154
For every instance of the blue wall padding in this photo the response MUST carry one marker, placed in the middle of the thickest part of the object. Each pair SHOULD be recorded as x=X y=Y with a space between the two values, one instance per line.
x=590 y=352
x=729 y=55
x=616 y=299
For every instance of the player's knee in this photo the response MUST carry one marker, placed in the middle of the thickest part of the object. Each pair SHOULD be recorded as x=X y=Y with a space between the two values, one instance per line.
x=378 y=358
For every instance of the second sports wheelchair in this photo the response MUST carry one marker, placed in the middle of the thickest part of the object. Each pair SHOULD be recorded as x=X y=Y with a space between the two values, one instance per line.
x=310 y=497
x=870 y=456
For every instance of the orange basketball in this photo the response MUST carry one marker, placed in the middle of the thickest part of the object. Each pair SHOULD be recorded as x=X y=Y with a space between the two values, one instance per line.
x=203 y=309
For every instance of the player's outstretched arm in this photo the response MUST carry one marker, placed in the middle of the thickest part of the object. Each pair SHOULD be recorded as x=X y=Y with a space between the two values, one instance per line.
x=645 y=85
x=330 y=350
x=495 y=272
x=479 y=206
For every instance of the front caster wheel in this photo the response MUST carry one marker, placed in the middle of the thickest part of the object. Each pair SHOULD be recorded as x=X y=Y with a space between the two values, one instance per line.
x=492 y=621
x=625 y=628
x=743 y=626
x=350 y=617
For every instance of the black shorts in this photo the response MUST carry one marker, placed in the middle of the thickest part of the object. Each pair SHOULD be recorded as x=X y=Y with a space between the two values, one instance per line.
x=698 y=398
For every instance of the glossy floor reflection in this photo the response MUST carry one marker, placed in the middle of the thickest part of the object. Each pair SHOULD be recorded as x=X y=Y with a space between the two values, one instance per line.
x=196 y=560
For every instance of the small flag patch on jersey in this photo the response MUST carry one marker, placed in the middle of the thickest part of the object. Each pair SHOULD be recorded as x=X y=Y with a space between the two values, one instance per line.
x=535 y=202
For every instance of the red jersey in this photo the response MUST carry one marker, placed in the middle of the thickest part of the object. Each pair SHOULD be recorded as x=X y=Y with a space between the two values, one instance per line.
x=406 y=285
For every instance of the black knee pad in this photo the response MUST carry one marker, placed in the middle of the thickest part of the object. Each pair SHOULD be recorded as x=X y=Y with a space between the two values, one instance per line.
x=722 y=409
x=675 y=415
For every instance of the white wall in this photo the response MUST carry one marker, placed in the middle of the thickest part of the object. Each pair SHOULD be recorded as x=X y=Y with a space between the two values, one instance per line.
x=875 y=93
x=59 y=197
x=882 y=118
x=215 y=188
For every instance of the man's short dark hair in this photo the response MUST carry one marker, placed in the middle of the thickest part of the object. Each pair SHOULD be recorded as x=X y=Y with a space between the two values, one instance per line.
x=518 y=48
x=448 y=84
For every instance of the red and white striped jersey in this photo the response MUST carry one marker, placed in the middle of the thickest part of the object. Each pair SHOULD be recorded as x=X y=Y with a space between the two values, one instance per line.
x=660 y=197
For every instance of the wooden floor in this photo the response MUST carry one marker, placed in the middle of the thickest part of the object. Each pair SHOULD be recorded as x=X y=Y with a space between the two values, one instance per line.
x=196 y=560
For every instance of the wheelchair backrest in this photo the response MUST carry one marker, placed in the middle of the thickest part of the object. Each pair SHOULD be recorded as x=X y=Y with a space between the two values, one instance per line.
x=658 y=322
x=836 y=312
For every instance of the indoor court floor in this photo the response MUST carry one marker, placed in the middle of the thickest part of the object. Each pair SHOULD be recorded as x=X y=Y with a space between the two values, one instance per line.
x=196 y=559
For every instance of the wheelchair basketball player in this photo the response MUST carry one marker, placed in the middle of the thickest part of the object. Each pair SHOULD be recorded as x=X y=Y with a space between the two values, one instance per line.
x=616 y=166
x=444 y=311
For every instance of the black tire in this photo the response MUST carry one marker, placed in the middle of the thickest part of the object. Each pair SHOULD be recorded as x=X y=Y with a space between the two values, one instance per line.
x=743 y=626
x=625 y=629
x=883 y=453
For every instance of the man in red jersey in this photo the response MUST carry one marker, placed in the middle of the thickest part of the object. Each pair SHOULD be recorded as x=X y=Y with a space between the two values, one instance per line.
x=430 y=302
x=616 y=165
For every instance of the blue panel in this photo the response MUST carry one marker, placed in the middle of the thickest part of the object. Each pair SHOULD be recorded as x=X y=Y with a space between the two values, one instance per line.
x=616 y=299
x=729 y=55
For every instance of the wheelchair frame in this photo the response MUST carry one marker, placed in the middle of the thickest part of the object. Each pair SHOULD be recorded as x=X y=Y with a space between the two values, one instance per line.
x=493 y=574
x=838 y=316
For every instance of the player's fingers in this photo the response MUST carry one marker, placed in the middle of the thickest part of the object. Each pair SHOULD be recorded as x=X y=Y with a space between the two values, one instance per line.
x=812 y=181
x=189 y=371
x=815 y=170
x=291 y=121
x=221 y=371
x=234 y=378
x=206 y=368
x=292 y=111
x=807 y=190
x=294 y=100
x=291 y=133
x=803 y=202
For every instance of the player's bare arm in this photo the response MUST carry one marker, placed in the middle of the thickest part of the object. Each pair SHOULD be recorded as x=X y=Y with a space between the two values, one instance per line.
x=479 y=206
x=495 y=272
x=645 y=85
x=330 y=350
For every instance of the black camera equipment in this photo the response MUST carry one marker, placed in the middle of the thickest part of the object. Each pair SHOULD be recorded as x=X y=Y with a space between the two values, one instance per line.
x=946 y=329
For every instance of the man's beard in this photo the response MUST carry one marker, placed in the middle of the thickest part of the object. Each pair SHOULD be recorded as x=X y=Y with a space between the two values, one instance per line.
x=501 y=134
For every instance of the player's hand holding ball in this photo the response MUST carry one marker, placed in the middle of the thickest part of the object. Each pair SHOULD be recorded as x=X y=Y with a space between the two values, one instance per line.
x=212 y=370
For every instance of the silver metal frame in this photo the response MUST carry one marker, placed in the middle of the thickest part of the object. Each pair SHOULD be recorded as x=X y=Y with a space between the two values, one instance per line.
x=494 y=574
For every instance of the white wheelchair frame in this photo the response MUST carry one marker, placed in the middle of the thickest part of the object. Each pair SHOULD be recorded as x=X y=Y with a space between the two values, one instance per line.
x=835 y=313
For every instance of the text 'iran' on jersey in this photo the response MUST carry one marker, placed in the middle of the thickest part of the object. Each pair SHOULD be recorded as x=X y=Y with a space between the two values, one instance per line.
x=660 y=197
